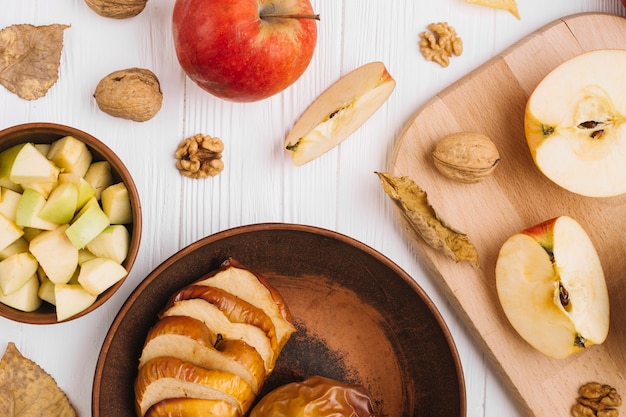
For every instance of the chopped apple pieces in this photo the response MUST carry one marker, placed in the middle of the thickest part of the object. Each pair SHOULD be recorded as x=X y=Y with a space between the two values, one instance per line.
x=50 y=212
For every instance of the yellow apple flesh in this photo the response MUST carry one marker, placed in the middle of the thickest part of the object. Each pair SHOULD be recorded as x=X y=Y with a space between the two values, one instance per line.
x=551 y=286
x=575 y=124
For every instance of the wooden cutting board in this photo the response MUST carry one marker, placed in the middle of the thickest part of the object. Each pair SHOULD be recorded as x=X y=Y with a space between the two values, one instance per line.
x=491 y=100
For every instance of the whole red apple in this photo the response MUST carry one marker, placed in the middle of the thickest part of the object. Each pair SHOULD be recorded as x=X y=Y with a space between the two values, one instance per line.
x=624 y=3
x=244 y=50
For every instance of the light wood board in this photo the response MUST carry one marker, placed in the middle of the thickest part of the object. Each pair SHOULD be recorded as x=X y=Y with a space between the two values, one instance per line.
x=491 y=100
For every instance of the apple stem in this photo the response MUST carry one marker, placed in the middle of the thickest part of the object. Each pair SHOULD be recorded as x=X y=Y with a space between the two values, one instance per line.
x=290 y=16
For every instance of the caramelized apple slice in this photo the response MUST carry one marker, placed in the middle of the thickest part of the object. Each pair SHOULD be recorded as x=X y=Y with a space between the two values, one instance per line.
x=192 y=407
x=339 y=111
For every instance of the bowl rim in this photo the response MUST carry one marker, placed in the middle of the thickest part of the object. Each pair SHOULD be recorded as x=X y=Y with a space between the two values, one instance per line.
x=102 y=151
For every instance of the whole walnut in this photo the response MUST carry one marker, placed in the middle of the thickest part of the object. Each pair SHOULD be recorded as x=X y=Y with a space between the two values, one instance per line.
x=117 y=9
x=133 y=94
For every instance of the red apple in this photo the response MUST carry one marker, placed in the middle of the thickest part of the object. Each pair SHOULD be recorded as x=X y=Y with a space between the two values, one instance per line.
x=244 y=50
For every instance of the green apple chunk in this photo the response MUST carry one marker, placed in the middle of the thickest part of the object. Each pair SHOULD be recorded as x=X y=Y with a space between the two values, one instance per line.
x=9 y=232
x=46 y=291
x=7 y=157
x=87 y=225
x=71 y=155
x=99 y=176
x=71 y=299
x=99 y=274
x=19 y=246
x=43 y=188
x=26 y=298
x=56 y=254
x=112 y=243
x=84 y=255
x=9 y=201
x=29 y=166
x=116 y=204
x=85 y=190
x=61 y=204
x=28 y=210
x=15 y=271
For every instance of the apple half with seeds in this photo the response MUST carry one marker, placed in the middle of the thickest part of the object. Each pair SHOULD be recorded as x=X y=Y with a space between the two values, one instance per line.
x=339 y=111
x=551 y=287
x=575 y=124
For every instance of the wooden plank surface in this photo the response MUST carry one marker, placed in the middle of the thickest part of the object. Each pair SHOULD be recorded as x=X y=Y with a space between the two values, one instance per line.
x=491 y=100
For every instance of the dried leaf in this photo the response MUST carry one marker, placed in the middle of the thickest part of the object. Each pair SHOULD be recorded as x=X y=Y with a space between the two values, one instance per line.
x=413 y=203
x=26 y=390
x=29 y=58
x=508 y=5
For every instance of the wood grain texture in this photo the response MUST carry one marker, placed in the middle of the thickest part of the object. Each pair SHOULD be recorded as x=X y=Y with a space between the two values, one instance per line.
x=491 y=100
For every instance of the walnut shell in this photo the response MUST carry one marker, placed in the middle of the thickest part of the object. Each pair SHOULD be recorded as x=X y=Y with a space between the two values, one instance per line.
x=117 y=9
x=466 y=156
x=133 y=94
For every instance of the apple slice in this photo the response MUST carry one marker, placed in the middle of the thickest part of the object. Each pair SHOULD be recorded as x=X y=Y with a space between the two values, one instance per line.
x=9 y=232
x=27 y=214
x=192 y=341
x=46 y=290
x=25 y=298
x=99 y=176
x=87 y=225
x=112 y=243
x=99 y=274
x=192 y=407
x=30 y=166
x=71 y=299
x=56 y=254
x=85 y=190
x=9 y=200
x=43 y=188
x=116 y=204
x=575 y=124
x=19 y=246
x=167 y=377
x=16 y=270
x=61 y=204
x=217 y=321
x=70 y=154
x=339 y=111
x=7 y=157
x=552 y=289
x=256 y=290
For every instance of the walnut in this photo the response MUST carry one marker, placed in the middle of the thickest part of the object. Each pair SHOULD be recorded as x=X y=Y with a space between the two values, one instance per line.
x=133 y=94
x=596 y=400
x=200 y=156
x=466 y=156
x=117 y=9
x=440 y=43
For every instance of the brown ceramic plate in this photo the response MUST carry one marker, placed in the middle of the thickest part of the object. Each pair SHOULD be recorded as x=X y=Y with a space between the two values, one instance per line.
x=359 y=318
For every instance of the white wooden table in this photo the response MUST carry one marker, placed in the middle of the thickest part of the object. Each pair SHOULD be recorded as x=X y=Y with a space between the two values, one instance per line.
x=338 y=191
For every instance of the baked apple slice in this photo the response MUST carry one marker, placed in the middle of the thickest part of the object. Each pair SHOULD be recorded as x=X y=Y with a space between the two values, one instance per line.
x=166 y=377
x=219 y=323
x=552 y=289
x=253 y=288
x=191 y=340
x=192 y=407
x=339 y=111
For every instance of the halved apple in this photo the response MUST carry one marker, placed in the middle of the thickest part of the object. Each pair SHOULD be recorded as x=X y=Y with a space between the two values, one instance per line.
x=192 y=341
x=192 y=407
x=551 y=286
x=339 y=111
x=575 y=124
x=167 y=377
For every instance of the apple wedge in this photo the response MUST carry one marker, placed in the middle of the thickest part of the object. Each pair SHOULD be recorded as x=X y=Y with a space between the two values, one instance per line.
x=217 y=321
x=28 y=210
x=112 y=243
x=19 y=246
x=192 y=407
x=56 y=254
x=253 y=288
x=339 y=111
x=25 y=298
x=99 y=176
x=9 y=200
x=70 y=154
x=9 y=232
x=192 y=341
x=27 y=165
x=99 y=274
x=61 y=204
x=575 y=124
x=71 y=299
x=116 y=204
x=85 y=190
x=87 y=225
x=551 y=286
x=46 y=291
x=166 y=377
x=15 y=271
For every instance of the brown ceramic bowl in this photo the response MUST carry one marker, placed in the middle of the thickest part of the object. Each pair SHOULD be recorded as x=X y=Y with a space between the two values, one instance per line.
x=48 y=133
x=359 y=318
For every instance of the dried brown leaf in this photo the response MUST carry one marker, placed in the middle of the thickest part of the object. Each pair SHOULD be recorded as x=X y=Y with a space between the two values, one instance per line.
x=424 y=221
x=26 y=390
x=29 y=58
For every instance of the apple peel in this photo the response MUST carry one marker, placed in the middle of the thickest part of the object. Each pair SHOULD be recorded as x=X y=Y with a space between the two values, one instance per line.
x=339 y=111
x=424 y=221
